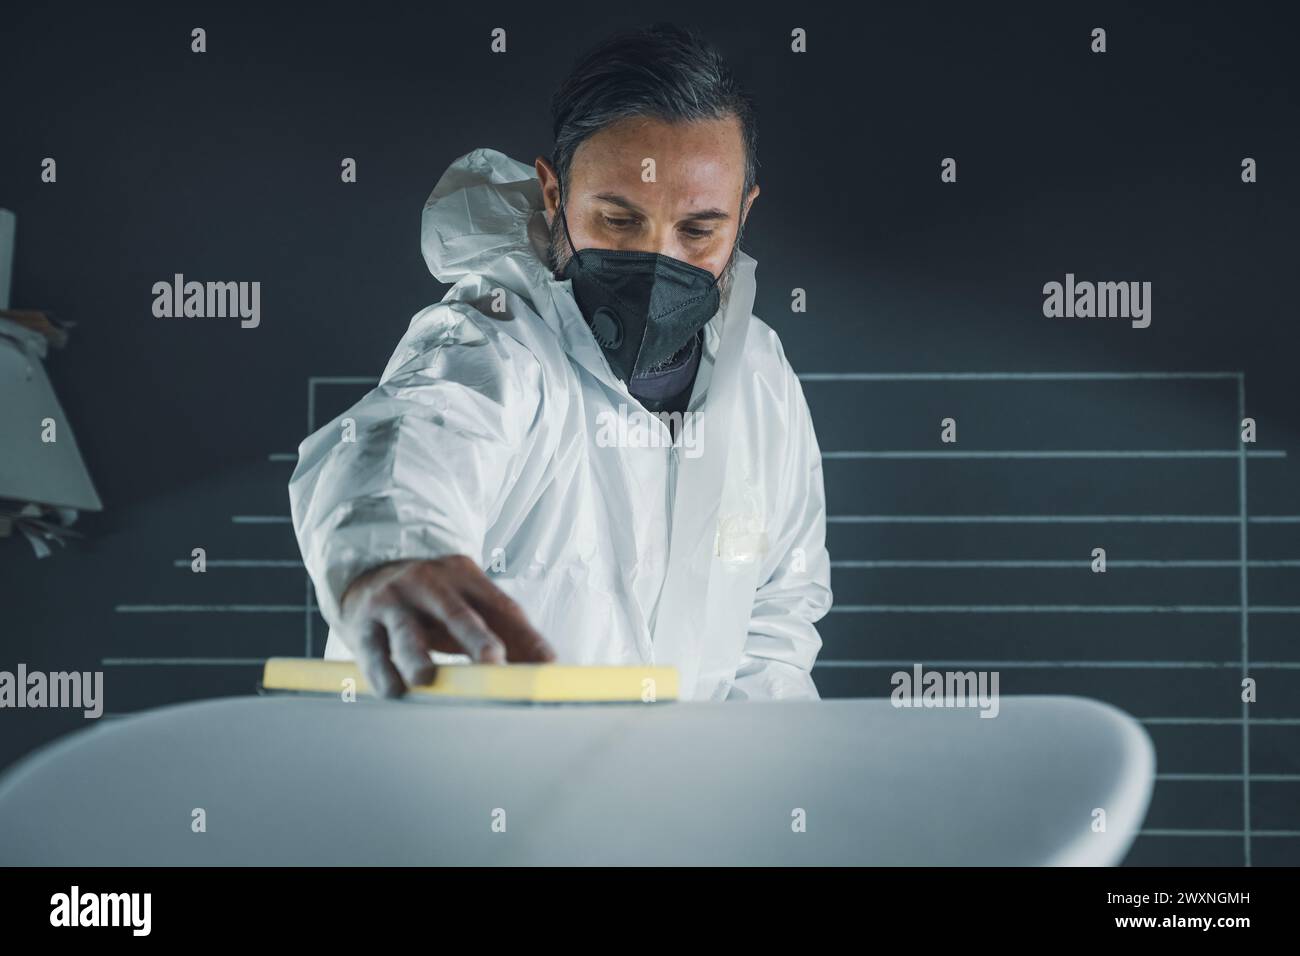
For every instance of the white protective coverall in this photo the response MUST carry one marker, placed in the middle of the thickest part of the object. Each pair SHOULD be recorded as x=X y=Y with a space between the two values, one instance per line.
x=495 y=433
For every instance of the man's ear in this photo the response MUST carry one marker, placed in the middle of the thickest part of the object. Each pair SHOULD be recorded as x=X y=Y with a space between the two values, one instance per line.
x=749 y=201
x=550 y=181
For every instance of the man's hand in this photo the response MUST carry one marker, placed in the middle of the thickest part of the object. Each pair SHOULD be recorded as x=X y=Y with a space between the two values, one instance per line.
x=393 y=615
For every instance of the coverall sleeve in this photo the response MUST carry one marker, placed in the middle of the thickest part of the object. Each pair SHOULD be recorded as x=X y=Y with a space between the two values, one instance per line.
x=419 y=467
x=783 y=642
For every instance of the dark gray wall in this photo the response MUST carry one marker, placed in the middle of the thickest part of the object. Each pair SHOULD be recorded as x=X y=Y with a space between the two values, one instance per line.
x=1121 y=166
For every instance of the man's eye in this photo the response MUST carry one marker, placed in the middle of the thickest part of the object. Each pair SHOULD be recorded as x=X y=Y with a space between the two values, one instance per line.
x=619 y=223
x=697 y=233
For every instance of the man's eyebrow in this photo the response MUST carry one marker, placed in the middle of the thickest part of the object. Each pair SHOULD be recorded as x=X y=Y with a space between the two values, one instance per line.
x=620 y=201
x=705 y=214
x=700 y=215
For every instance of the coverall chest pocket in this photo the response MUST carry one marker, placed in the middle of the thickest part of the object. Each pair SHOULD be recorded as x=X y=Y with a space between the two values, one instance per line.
x=741 y=538
x=739 y=552
x=741 y=541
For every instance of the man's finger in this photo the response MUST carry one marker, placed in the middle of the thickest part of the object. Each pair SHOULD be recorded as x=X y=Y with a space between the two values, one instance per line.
x=461 y=621
x=376 y=667
x=508 y=620
x=408 y=646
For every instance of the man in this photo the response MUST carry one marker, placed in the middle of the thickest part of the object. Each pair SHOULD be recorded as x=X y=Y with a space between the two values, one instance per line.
x=590 y=450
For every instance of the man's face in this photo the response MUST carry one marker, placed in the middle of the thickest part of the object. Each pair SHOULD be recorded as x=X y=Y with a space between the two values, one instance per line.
x=692 y=211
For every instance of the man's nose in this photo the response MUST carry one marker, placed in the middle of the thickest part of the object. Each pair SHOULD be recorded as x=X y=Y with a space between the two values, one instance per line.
x=663 y=240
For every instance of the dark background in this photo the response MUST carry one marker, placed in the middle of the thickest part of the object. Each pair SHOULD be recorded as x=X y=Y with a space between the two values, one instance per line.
x=1122 y=166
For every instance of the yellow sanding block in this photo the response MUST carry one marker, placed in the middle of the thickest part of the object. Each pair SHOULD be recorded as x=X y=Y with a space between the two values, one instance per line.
x=534 y=683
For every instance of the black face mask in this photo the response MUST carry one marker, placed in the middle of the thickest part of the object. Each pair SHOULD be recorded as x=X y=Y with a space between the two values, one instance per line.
x=642 y=307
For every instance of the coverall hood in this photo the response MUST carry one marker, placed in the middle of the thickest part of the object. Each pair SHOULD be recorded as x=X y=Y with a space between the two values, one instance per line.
x=485 y=218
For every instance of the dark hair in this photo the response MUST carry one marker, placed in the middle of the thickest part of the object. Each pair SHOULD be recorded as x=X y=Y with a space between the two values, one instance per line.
x=663 y=71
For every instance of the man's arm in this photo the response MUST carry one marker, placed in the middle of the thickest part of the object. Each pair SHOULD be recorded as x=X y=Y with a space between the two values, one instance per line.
x=783 y=642
x=413 y=473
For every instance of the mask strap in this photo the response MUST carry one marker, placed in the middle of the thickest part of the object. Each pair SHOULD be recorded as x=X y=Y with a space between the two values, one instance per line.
x=573 y=250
